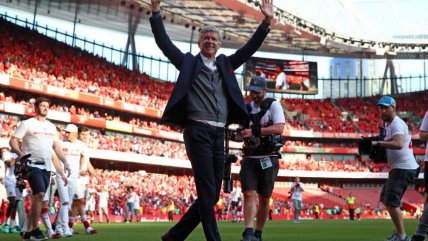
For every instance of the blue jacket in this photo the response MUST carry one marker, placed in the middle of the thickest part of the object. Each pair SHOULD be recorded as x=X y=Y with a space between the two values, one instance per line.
x=190 y=66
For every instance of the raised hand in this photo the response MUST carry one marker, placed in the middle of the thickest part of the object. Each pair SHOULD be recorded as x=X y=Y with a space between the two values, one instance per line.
x=156 y=5
x=267 y=9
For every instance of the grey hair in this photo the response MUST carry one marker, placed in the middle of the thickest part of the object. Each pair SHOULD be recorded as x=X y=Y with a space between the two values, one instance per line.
x=210 y=29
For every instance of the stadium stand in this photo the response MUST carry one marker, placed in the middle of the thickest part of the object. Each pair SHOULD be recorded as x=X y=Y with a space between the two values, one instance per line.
x=36 y=59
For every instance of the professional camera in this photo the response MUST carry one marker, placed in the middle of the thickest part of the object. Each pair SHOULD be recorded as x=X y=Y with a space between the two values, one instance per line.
x=20 y=184
x=234 y=135
x=21 y=167
x=263 y=145
x=376 y=153
x=227 y=175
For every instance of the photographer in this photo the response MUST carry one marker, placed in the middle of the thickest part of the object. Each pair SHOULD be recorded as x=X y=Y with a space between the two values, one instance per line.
x=260 y=166
x=403 y=166
x=37 y=136
x=296 y=194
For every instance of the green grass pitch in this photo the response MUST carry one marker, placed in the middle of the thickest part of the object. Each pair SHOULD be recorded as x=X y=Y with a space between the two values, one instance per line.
x=307 y=230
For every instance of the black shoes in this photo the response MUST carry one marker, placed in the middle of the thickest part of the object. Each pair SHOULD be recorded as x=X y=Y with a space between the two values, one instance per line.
x=417 y=237
x=37 y=235
x=166 y=237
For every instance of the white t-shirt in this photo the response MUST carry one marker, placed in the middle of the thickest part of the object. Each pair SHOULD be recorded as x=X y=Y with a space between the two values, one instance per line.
x=73 y=152
x=130 y=198
x=403 y=158
x=103 y=199
x=424 y=127
x=275 y=113
x=10 y=171
x=136 y=201
x=2 y=171
x=37 y=139
x=236 y=193
x=281 y=81
x=297 y=191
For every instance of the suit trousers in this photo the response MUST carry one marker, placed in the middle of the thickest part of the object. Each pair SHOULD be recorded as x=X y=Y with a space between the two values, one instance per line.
x=205 y=149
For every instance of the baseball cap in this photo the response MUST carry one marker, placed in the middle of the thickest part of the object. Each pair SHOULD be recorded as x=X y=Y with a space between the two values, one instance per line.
x=387 y=101
x=257 y=84
x=71 y=128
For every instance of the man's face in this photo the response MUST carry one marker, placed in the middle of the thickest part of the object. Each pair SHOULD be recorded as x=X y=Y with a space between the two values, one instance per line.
x=83 y=136
x=71 y=136
x=387 y=112
x=209 y=44
x=42 y=109
x=257 y=97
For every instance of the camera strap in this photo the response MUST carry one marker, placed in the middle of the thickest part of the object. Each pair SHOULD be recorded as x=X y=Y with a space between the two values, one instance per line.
x=264 y=107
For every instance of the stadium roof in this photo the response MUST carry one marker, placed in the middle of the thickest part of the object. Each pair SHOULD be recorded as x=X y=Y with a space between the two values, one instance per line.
x=310 y=27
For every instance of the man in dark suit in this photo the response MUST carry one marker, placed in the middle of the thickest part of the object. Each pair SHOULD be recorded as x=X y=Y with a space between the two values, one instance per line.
x=205 y=99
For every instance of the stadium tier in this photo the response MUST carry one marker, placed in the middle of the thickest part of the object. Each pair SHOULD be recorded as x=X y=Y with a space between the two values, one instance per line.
x=123 y=109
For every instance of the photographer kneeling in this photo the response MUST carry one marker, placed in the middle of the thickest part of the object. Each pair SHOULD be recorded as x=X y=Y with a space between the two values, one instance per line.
x=259 y=167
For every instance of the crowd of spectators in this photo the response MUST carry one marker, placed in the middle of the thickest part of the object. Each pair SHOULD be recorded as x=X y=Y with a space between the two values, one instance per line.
x=157 y=190
x=28 y=99
x=309 y=164
x=44 y=60
x=27 y=54
x=154 y=147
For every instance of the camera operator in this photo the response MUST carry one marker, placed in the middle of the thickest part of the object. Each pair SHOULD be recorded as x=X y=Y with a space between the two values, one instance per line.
x=401 y=160
x=37 y=136
x=296 y=194
x=422 y=230
x=259 y=166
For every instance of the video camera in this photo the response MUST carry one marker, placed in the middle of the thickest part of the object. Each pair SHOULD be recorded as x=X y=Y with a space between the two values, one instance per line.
x=263 y=145
x=376 y=153
x=21 y=167
x=234 y=135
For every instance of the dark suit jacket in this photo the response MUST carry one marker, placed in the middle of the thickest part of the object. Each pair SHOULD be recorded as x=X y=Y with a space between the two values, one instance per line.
x=190 y=66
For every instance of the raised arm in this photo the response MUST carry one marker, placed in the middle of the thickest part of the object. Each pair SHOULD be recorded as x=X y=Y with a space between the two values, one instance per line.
x=246 y=51
x=161 y=37
x=267 y=9
x=156 y=5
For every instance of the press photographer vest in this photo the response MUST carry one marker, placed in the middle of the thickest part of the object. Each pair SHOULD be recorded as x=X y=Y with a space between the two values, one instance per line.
x=264 y=107
x=263 y=145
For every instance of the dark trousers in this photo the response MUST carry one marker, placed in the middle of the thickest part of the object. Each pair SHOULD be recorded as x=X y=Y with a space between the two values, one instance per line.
x=170 y=215
x=205 y=149
x=351 y=213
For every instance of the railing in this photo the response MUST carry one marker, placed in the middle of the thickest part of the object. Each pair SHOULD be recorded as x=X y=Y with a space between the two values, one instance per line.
x=361 y=87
